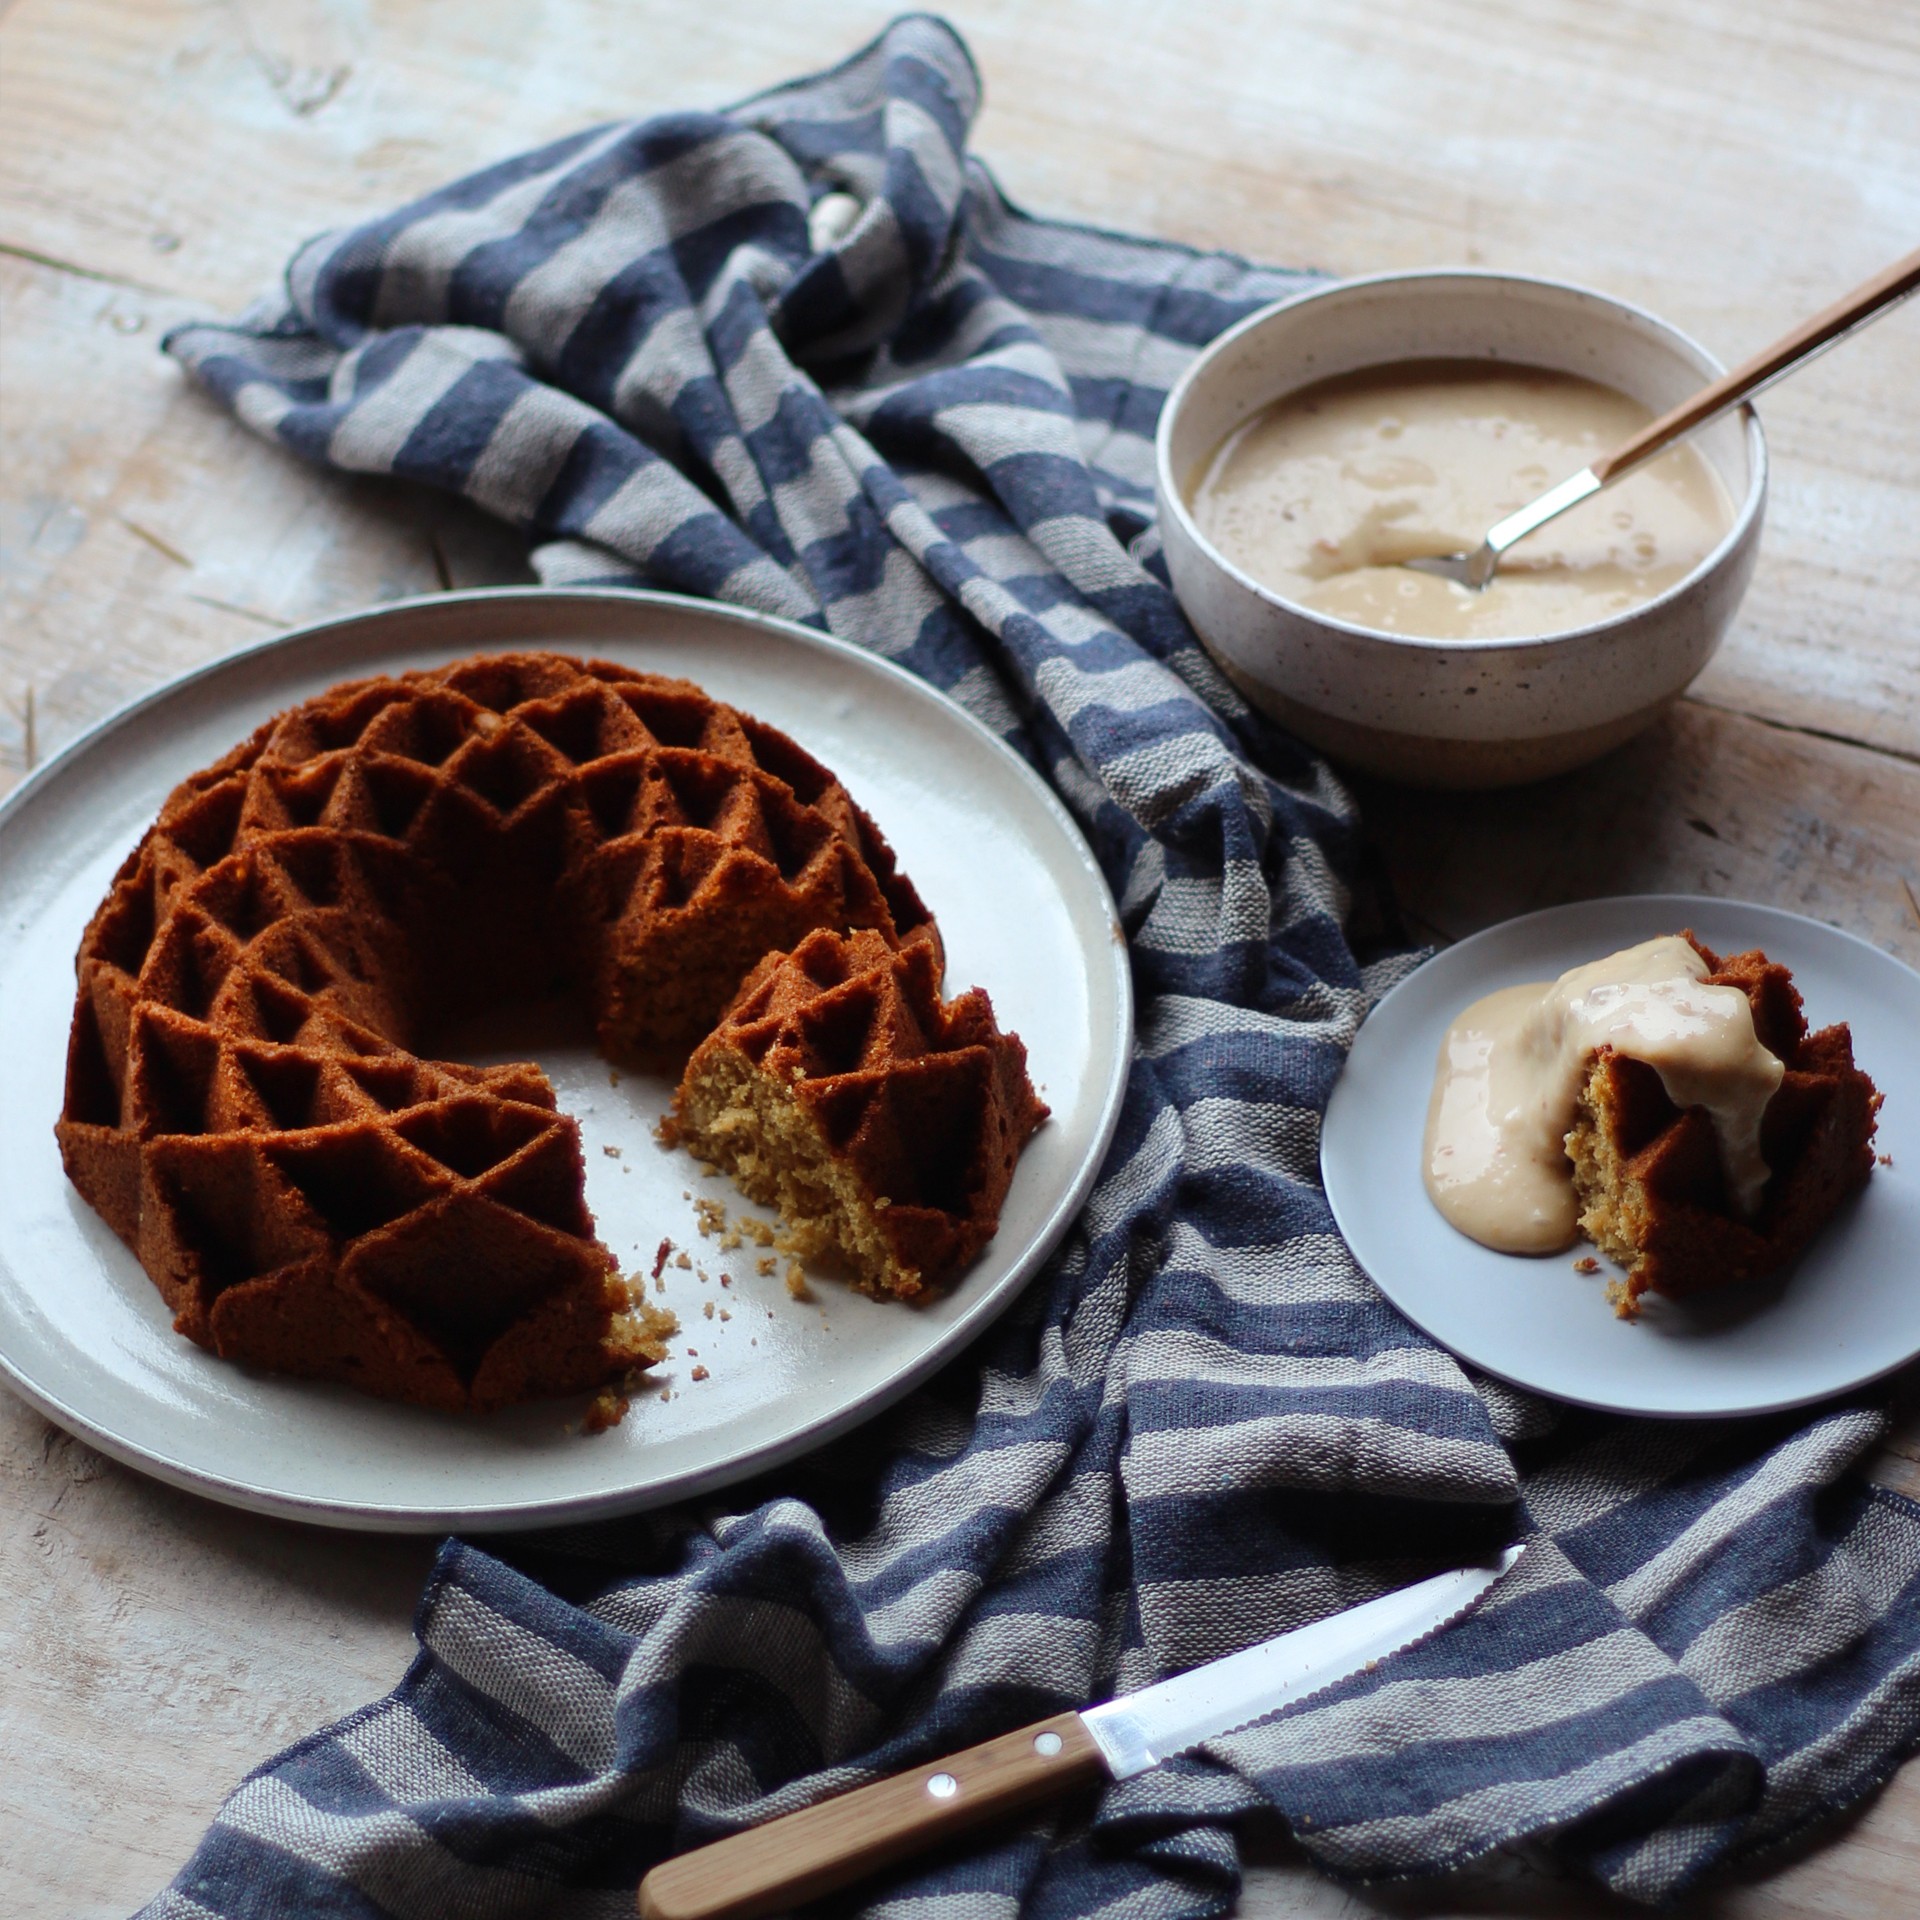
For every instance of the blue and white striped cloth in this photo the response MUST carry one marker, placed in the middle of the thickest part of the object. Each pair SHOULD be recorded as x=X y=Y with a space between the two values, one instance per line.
x=802 y=355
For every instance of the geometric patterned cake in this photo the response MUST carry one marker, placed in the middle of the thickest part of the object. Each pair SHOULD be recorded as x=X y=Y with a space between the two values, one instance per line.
x=1648 y=1174
x=252 y=1101
x=883 y=1121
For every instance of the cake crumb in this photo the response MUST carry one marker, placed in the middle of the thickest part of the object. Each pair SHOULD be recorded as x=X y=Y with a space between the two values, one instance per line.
x=730 y=1240
x=712 y=1217
x=1621 y=1299
x=724 y=1314
x=684 y=1261
x=1586 y=1264
x=766 y=1265
x=659 y=1285
x=1885 y=1159
x=756 y=1230
x=612 y=1153
x=661 y=1253
x=700 y=1373
x=796 y=1278
x=606 y=1409
x=708 y=1309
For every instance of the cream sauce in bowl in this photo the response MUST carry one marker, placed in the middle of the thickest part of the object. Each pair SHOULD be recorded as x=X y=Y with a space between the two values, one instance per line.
x=1324 y=492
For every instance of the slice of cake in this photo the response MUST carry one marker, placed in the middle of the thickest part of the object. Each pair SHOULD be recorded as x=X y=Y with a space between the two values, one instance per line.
x=882 y=1121
x=1649 y=1176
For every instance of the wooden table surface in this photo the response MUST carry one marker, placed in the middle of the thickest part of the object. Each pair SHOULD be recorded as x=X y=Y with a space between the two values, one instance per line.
x=1731 y=166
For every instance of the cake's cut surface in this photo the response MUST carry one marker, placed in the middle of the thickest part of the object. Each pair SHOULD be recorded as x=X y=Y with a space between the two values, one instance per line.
x=882 y=1121
x=252 y=1103
x=1649 y=1177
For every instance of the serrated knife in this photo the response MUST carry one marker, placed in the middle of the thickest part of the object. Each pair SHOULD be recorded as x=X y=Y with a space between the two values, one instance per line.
x=825 y=1847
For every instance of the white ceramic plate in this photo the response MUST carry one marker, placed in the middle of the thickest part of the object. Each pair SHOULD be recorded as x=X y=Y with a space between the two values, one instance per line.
x=1848 y=1311
x=1023 y=911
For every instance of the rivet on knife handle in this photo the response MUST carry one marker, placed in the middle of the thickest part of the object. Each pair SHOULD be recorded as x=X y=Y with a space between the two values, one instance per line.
x=822 y=1848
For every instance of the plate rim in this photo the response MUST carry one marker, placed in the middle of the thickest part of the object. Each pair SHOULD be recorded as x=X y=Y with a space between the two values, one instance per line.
x=807 y=1435
x=1563 y=909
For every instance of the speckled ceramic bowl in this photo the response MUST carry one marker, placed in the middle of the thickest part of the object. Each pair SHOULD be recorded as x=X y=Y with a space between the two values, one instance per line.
x=1453 y=713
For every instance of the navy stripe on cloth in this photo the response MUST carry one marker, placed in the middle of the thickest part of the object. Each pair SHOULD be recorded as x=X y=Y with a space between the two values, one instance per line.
x=805 y=356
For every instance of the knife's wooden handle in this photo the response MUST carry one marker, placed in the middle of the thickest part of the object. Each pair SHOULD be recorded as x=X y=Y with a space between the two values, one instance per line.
x=822 y=1848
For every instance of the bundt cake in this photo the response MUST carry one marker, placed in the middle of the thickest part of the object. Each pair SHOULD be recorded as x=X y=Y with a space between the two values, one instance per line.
x=1649 y=1176
x=883 y=1122
x=252 y=1103
x=1669 y=1105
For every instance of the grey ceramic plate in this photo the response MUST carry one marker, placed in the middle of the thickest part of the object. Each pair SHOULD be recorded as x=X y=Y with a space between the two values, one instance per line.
x=1022 y=908
x=1846 y=1313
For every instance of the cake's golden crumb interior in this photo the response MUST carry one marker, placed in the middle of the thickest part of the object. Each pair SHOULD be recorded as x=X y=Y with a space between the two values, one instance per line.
x=740 y=1119
x=1612 y=1206
x=1615 y=1212
x=638 y=1332
x=606 y=1409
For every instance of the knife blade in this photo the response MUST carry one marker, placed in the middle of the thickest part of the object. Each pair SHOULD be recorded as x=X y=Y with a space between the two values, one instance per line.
x=827 y=1846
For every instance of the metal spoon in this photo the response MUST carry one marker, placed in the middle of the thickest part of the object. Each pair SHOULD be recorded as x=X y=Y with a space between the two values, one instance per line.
x=1813 y=337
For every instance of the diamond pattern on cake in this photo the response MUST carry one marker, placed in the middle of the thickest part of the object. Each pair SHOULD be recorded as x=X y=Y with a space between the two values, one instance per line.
x=883 y=1121
x=252 y=1100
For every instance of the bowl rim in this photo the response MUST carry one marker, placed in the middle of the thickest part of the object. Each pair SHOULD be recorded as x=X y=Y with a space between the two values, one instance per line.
x=1169 y=498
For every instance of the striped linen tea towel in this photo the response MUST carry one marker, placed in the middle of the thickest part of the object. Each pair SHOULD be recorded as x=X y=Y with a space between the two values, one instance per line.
x=802 y=355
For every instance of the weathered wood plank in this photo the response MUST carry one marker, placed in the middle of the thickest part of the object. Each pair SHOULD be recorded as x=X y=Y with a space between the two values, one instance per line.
x=171 y=154
x=188 y=146
x=1704 y=802
x=154 y=1648
x=147 y=532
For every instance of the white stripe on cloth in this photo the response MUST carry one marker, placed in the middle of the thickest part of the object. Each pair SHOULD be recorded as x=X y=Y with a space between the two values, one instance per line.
x=1069 y=688
x=1008 y=1649
x=1335 y=1452
x=1327 y=1015
x=1316 y=1269
x=386 y=1855
x=1473 y=1823
x=1800 y=1624
x=1181 y=1356
x=638 y=217
x=1202 y=915
x=420 y=262
x=1809 y=1460
x=1806 y=1786
x=1223 y=1133
x=553 y=1691
x=385 y=416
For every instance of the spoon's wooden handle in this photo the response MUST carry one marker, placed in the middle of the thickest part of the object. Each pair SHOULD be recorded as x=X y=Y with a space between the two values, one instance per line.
x=822 y=1848
x=1899 y=280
